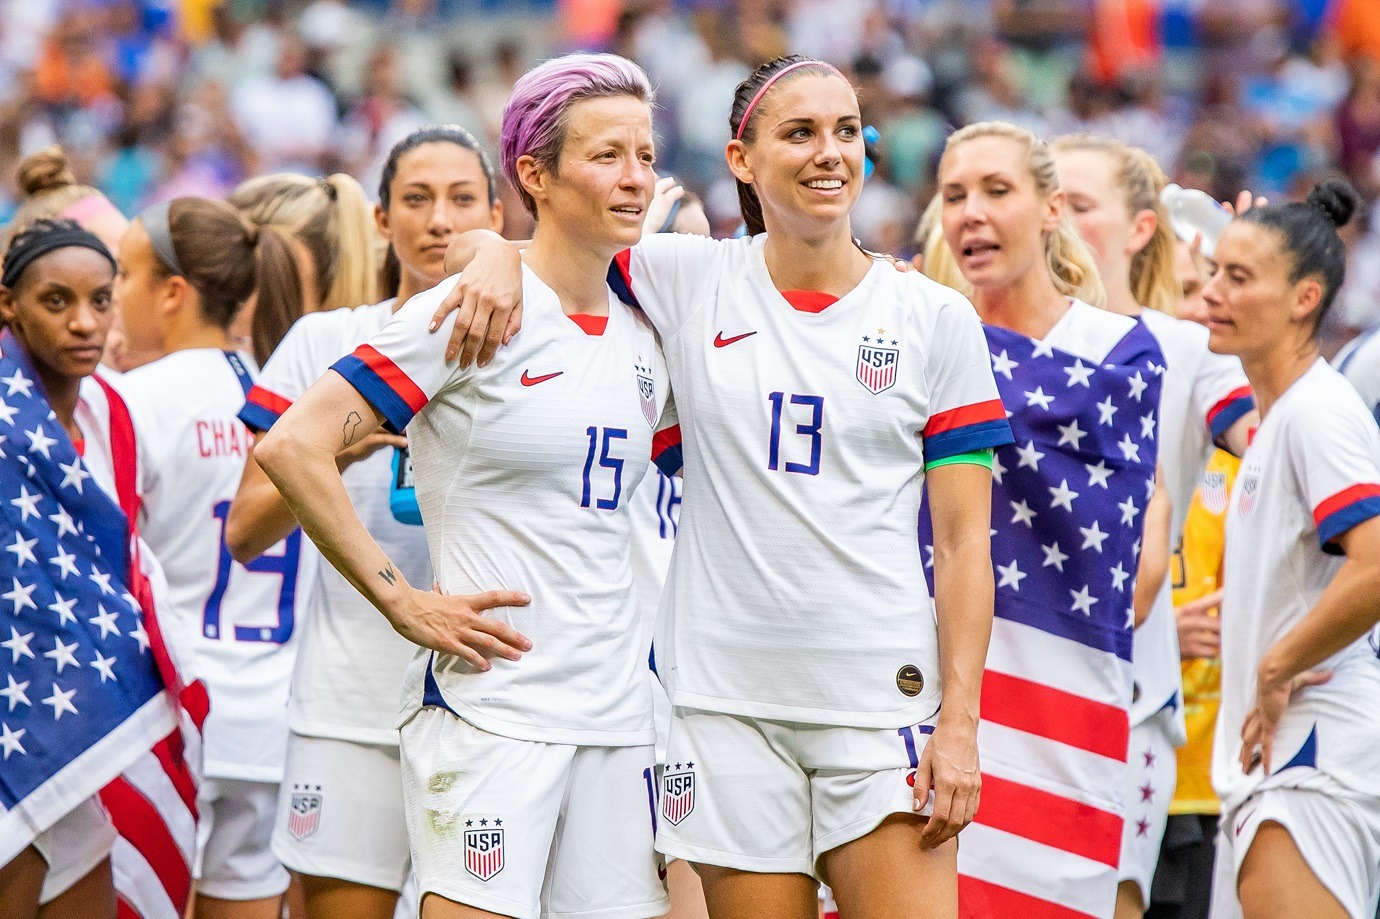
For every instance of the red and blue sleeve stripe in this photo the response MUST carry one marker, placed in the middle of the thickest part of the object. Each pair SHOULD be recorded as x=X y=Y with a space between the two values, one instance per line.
x=1229 y=410
x=262 y=409
x=620 y=278
x=1344 y=510
x=384 y=384
x=666 y=450
x=979 y=426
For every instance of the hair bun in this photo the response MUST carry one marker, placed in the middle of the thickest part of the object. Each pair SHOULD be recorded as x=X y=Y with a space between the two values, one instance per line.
x=44 y=170
x=1335 y=198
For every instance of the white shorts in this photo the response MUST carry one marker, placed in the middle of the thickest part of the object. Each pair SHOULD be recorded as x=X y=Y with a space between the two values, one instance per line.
x=1338 y=836
x=340 y=812
x=74 y=846
x=530 y=829
x=1151 y=774
x=233 y=858
x=772 y=796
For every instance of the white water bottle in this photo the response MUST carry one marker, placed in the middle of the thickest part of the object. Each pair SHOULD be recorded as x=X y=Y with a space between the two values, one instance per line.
x=1193 y=213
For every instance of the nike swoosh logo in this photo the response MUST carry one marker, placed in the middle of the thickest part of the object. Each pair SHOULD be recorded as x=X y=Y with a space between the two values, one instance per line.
x=533 y=381
x=721 y=342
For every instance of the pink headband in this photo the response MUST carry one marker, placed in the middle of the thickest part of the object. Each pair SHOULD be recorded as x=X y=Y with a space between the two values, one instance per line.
x=772 y=79
x=84 y=209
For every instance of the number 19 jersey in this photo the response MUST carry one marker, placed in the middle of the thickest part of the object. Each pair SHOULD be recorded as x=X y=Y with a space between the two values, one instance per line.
x=797 y=589
x=524 y=472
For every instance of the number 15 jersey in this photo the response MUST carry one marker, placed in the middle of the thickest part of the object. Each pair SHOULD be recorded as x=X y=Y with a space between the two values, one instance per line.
x=524 y=472
x=797 y=590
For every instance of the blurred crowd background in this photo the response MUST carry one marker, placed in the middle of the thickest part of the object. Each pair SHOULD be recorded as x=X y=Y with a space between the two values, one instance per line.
x=153 y=99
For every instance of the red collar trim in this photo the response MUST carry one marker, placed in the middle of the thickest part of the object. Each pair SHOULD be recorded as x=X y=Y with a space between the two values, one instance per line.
x=809 y=301
x=590 y=325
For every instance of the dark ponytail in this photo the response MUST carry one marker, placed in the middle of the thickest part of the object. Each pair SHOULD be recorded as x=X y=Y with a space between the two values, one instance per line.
x=743 y=96
x=1308 y=233
x=391 y=273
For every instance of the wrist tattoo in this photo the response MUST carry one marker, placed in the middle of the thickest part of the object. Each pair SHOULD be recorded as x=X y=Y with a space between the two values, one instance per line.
x=352 y=423
x=389 y=575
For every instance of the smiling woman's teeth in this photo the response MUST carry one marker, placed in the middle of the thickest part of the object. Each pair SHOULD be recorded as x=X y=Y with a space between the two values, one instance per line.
x=824 y=183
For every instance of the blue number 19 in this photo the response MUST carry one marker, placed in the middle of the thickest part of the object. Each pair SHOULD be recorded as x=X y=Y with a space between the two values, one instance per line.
x=811 y=430
x=284 y=565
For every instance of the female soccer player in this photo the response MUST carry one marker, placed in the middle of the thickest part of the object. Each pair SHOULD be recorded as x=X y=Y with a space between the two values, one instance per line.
x=342 y=767
x=186 y=269
x=84 y=697
x=526 y=757
x=1081 y=384
x=1113 y=200
x=1296 y=757
x=805 y=660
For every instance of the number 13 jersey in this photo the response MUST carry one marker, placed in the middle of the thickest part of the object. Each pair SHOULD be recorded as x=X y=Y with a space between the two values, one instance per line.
x=796 y=590
x=524 y=472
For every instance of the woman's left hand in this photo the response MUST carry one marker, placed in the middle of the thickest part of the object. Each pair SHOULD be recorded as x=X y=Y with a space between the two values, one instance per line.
x=949 y=766
x=1272 y=697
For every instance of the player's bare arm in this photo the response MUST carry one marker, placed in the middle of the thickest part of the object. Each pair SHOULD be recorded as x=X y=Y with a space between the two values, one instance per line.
x=299 y=456
x=1153 y=568
x=961 y=512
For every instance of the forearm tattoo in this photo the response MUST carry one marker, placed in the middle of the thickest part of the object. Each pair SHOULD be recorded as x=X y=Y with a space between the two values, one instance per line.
x=351 y=426
x=389 y=575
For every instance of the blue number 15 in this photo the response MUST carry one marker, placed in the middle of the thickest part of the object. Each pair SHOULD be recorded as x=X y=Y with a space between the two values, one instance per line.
x=284 y=565
x=811 y=430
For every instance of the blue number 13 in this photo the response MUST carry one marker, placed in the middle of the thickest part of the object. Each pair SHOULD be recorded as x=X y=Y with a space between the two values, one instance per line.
x=811 y=430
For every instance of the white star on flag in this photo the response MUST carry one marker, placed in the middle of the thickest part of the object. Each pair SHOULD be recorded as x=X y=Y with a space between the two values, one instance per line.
x=61 y=701
x=18 y=383
x=1053 y=556
x=1105 y=411
x=1147 y=426
x=1063 y=496
x=63 y=608
x=1011 y=576
x=1119 y=576
x=1079 y=374
x=1130 y=450
x=139 y=635
x=1083 y=601
x=15 y=692
x=1003 y=364
x=1039 y=398
x=64 y=521
x=27 y=504
x=102 y=666
x=39 y=442
x=62 y=655
x=102 y=581
x=1042 y=349
x=1022 y=513
x=1071 y=434
x=18 y=645
x=998 y=470
x=1099 y=474
x=1093 y=537
x=1138 y=385
x=23 y=549
x=1129 y=511
x=7 y=412
x=9 y=740
x=73 y=475
x=105 y=620
x=65 y=562
x=21 y=596
x=1029 y=456
x=929 y=556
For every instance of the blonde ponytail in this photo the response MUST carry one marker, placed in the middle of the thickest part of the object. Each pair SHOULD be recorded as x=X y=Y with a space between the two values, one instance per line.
x=1067 y=257
x=359 y=269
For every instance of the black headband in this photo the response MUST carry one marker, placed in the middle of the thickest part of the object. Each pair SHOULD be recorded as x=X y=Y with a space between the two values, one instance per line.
x=63 y=235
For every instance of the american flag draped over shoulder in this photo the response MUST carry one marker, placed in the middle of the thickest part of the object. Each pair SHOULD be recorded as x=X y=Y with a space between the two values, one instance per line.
x=1068 y=506
x=82 y=695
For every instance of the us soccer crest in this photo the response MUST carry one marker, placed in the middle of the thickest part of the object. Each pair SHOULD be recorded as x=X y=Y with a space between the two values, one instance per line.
x=678 y=792
x=1250 y=490
x=304 y=814
x=484 y=849
x=646 y=389
x=1213 y=489
x=877 y=360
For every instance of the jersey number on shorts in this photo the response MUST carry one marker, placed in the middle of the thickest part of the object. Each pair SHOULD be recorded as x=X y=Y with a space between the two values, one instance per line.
x=811 y=430
x=284 y=565
x=604 y=436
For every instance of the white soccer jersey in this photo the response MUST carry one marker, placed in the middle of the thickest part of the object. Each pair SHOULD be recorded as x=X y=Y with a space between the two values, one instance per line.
x=655 y=517
x=243 y=621
x=1203 y=395
x=350 y=661
x=524 y=472
x=1359 y=362
x=796 y=590
x=1311 y=474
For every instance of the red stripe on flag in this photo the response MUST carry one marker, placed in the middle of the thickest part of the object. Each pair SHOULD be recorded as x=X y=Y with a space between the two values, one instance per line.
x=139 y=822
x=1342 y=498
x=169 y=754
x=1241 y=392
x=665 y=440
x=269 y=400
x=1050 y=819
x=392 y=376
x=1047 y=712
x=964 y=415
x=983 y=900
x=124 y=911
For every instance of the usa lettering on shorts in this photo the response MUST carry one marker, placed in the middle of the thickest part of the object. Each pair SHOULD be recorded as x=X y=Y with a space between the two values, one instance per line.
x=484 y=847
x=678 y=792
x=304 y=814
